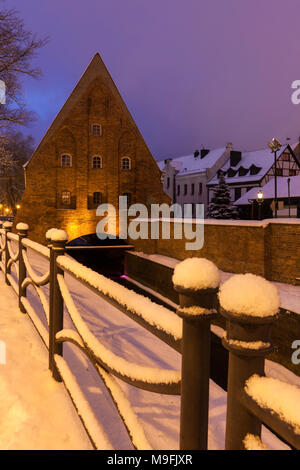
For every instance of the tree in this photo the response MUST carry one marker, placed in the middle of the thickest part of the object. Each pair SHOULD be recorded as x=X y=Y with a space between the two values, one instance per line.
x=220 y=206
x=15 y=150
x=17 y=50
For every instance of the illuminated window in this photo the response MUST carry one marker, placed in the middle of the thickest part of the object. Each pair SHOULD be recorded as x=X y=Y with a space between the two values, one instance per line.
x=97 y=130
x=66 y=161
x=97 y=162
x=125 y=163
x=97 y=198
x=66 y=198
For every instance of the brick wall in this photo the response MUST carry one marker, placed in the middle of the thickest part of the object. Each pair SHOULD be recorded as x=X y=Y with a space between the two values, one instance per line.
x=269 y=249
x=95 y=100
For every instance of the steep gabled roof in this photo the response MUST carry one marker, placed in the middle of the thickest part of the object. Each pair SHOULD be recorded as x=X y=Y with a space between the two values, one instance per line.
x=95 y=69
x=262 y=159
x=189 y=164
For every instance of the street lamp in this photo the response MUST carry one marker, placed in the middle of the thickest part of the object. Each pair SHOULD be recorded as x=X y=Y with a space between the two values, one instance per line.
x=251 y=201
x=289 y=195
x=260 y=200
x=18 y=206
x=275 y=145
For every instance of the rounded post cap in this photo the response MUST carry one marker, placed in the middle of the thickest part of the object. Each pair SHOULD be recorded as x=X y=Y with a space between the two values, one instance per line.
x=22 y=227
x=49 y=233
x=59 y=236
x=7 y=224
x=249 y=298
x=196 y=274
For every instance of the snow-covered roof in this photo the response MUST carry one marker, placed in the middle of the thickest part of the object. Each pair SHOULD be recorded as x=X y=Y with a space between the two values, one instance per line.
x=189 y=164
x=262 y=159
x=269 y=189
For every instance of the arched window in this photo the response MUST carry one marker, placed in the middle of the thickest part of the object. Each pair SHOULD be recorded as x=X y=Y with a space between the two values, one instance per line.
x=125 y=163
x=97 y=198
x=66 y=161
x=66 y=198
x=97 y=162
x=97 y=130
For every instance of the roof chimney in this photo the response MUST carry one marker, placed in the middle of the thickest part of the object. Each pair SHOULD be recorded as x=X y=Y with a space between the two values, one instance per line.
x=204 y=152
x=229 y=145
x=235 y=157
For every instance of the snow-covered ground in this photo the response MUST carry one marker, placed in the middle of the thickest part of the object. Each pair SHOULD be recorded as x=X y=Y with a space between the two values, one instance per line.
x=36 y=412
x=42 y=416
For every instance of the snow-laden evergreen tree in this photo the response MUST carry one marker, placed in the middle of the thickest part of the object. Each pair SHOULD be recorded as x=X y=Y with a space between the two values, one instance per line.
x=220 y=206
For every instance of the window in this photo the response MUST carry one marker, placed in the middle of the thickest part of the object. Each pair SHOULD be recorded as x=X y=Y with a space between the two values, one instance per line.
x=237 y=193
x=254 y=170
x=125 y=163
x=97 y=130
x=178 y=190
x=292 y=172
x=168 y=182
x=97 y=162
x=200 y=189
x=128 y=195
x=66 y=161
x=185 y=189
x=279 y=171
x=66 y=198
x=243 y=171
x=97 y=198
x=286 y=157
x=231 y=173
x=192 y=189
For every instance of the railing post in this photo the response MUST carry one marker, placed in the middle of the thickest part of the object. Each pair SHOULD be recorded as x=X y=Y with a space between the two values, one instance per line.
x=22 y=233
x=56 y=303
x=248 y=342
x=7 y=227
x=197 y=309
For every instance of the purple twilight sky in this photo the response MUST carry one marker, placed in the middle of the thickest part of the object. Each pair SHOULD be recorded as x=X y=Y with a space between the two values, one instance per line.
x=192 y=72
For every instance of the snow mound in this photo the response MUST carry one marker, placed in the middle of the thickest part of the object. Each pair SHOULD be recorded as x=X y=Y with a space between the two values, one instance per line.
x=49 y=233
x=249 y=294
x=59 y=235
x=7 y=224
x=280 y=397
x=22 y=226
x=196 y=273
x=252 y=442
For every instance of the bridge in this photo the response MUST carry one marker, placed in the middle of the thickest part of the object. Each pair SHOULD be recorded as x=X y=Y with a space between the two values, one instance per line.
x=134 y=346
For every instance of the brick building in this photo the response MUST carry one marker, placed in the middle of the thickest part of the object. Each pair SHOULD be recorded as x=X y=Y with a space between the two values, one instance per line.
x=92 y=153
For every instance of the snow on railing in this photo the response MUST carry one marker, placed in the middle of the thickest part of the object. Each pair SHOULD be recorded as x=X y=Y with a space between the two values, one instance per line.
x=156 y=315
x=249 y=304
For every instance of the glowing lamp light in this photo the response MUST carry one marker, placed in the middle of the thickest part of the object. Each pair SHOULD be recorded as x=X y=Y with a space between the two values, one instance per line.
x=6 y=210
x=18 y=206
x=260 y=196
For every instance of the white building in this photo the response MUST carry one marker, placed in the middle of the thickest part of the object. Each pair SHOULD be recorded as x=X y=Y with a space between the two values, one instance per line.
x=186 y=178
x=288 y=195
x=246 y=170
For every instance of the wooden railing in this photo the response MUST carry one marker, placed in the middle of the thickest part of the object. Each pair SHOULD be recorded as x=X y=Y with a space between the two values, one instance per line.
x=187 y=332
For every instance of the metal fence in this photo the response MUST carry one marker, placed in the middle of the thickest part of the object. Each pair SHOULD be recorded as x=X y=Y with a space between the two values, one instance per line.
x=185 y=333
